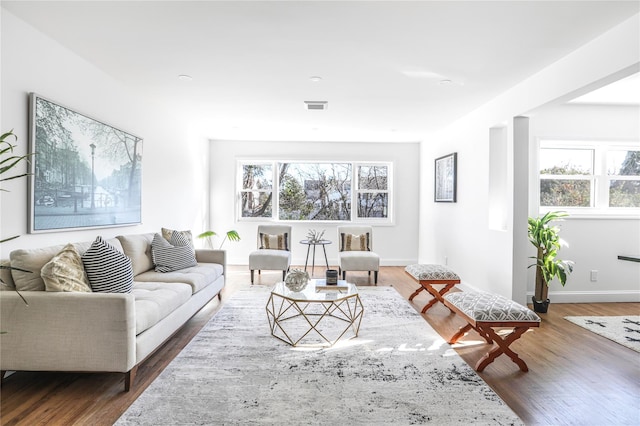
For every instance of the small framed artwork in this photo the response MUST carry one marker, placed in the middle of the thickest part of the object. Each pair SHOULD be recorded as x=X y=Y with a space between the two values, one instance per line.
x=84 y=173
x=445 y=178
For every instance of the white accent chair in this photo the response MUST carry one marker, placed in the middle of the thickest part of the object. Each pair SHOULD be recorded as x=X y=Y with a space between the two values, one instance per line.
x=365 y=260
x=270 y=259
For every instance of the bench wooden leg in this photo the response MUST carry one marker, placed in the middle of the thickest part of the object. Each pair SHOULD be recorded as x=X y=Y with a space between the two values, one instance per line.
x=464 y=330
x=459 y=334
x=437 y=295
x=417 y=292
x=502 y=348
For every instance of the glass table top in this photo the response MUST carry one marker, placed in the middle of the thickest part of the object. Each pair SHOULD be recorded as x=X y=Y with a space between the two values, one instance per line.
x=317 y=291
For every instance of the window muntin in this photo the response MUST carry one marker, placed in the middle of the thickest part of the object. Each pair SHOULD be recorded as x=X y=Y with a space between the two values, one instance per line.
x=589 y=177
x=315 y=191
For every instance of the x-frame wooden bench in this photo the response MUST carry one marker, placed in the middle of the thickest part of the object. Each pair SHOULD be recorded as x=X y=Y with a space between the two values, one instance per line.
x=483 y=312
x=428 y=275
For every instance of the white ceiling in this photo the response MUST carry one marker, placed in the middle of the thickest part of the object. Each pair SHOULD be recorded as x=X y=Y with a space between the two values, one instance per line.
x=623 y=92
x=381 y=63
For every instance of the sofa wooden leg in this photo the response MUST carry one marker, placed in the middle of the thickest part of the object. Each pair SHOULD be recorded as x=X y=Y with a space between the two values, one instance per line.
x=220 y=296
x=375 y=277
x=284 y=275
x=129 y=377
x=344 y=275
x=252 y=276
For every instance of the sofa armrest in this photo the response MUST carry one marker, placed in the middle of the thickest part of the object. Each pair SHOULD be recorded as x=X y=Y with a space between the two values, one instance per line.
x=213 y=256
x=60 y=331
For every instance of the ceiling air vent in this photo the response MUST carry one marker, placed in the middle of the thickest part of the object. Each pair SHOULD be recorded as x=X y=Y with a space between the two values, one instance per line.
x=316 y=105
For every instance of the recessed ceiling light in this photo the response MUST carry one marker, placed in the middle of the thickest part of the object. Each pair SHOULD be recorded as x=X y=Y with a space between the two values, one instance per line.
x=445 y=82
x=315 y=78
x=185 y=77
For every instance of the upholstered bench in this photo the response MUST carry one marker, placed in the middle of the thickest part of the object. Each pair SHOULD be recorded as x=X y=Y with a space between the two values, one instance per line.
x=483 y=311
x=426 y=275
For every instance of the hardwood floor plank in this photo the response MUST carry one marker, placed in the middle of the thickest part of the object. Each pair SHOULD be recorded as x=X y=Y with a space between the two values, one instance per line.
x=575 y=377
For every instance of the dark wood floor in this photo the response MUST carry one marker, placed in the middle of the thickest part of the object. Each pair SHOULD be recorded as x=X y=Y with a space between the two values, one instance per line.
x=575 y=377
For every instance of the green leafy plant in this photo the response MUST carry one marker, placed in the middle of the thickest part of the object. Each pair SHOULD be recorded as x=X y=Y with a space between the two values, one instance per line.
x=546 y=239
x=208 y=236
x=8 y=160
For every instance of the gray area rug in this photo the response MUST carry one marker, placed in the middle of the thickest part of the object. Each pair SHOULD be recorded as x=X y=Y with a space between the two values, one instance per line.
x=398 y=371
x=624 y=330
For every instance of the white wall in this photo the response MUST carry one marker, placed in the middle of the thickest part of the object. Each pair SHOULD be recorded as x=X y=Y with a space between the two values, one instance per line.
x=594 y=243
x=486 y=258
x=175 y=160
x=396 y=244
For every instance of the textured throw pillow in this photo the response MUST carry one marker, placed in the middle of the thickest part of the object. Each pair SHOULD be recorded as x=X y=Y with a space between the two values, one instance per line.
x=174 y=255
x=167 y=233
x=65 y=272
x=350 y=242
x=274 y=242
x=108 y=270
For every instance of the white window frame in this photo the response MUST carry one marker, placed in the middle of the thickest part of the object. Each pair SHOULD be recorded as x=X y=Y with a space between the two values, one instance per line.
x=355 y=192
x=599 y=179
x=275 y=213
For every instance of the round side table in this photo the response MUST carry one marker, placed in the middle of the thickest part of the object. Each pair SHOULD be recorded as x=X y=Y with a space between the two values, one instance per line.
x=313 y=244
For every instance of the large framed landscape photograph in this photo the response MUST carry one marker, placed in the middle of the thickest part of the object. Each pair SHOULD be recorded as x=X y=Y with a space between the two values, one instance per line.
x=84 y=173
x=445 y=178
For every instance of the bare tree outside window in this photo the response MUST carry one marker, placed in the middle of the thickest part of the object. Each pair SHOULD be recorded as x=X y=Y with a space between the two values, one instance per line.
x=373 y=191
x=590 y=176
x=257 y=188
x=565 y=177
x=624 y=174
x=315 y=191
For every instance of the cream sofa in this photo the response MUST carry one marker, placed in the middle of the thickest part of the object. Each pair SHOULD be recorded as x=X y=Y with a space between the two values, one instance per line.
x=100 y=332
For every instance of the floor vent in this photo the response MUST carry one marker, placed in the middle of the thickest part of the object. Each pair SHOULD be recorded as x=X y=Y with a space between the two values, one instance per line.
x=316 y=105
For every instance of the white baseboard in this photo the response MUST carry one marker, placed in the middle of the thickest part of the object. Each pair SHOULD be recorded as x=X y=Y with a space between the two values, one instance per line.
x=592 y=296
x=578 y=296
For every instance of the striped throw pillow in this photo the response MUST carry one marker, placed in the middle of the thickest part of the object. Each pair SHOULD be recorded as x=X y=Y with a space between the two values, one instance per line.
x=167 y=233
x=108 y=269
x=274 y=242
x=350 y=242
x=174 y=255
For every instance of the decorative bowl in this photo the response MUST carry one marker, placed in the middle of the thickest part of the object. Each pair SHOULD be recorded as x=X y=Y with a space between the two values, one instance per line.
x=296 y=280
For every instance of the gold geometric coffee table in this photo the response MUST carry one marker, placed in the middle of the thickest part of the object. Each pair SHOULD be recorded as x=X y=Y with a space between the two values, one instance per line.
x=319 y=314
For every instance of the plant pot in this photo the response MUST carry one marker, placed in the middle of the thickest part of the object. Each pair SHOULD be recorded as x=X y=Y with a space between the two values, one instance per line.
x=540 y=306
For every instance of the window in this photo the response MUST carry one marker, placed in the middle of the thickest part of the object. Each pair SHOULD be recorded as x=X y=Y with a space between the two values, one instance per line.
x=373 y=191
x=315 y=191
x=589 y=177
x=256 y=190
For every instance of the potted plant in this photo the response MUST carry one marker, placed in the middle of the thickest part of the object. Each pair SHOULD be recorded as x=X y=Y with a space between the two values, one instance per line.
x=230 y=235
x=546 y=239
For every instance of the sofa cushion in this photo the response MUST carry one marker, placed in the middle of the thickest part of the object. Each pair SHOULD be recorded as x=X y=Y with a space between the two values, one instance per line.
x=174 y=255
x=138 y=248
x=108 y=269
x=198 y=277
x=274 y=242
x=65 y=272
x=33 y=260
x=155 y=300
